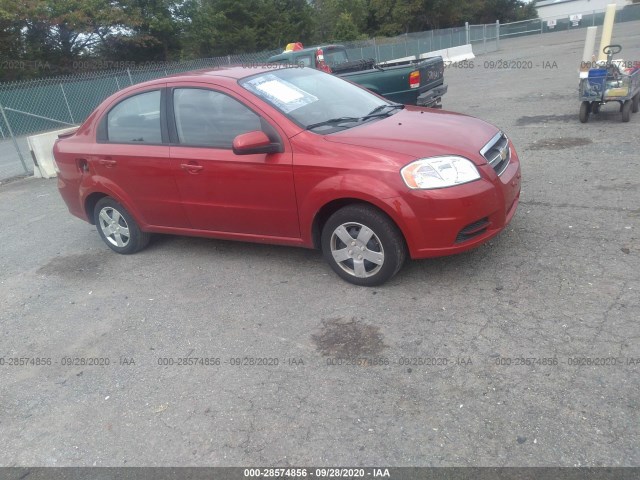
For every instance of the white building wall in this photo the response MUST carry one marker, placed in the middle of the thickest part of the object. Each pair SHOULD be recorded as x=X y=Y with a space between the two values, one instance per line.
x=564 y=9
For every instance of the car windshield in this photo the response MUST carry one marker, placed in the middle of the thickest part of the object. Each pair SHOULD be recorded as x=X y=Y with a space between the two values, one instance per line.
x=317 y=101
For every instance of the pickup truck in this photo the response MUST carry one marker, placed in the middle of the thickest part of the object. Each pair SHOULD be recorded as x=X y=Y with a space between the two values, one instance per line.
x=411 y=82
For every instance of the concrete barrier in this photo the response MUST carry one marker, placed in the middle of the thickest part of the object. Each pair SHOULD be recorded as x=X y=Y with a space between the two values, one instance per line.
x=449 y=55
x=41 y=147
x=442 y=53
x=459 y=54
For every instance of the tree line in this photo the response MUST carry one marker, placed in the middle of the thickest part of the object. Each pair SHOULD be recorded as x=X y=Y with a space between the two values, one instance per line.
x=49 y=37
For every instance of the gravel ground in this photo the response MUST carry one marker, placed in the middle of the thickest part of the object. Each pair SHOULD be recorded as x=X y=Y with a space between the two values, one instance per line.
x=560 y=285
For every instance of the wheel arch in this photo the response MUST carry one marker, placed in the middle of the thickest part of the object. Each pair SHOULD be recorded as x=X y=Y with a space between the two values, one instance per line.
x=329 y=208
x=100 y=188
x=90 y=204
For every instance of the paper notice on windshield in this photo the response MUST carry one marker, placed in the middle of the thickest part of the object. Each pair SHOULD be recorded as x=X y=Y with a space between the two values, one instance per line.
x=280 y=91
x=284 y=95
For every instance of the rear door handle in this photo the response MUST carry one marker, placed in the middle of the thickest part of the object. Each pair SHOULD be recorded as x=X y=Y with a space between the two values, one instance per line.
x=107 y=162
x=191 y=167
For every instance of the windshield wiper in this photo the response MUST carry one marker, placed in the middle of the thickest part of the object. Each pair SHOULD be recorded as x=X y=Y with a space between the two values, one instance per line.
x=377 y=112
x=333 y=121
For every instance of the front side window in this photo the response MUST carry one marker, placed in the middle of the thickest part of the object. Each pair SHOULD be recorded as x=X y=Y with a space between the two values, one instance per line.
x=136 y=119
x=210 y=119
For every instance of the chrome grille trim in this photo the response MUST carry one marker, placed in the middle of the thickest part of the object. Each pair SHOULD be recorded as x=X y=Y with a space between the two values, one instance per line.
x=497 y=153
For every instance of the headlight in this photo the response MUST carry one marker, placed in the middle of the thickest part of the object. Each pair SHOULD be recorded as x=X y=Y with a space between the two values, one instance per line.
x=439 y=172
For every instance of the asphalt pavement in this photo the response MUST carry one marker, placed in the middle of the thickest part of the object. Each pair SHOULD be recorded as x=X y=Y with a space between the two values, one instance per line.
x=524 y=352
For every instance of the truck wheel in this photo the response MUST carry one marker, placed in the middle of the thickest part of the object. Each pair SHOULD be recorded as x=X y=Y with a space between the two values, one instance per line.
x=635 y=105
x=585 y=110
x=117 y=228
x=362 y=245
x=626 y=111
x=595 y=108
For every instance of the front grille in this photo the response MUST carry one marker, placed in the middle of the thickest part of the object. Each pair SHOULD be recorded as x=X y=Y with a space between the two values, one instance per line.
x=497 y=153
x=472 y=230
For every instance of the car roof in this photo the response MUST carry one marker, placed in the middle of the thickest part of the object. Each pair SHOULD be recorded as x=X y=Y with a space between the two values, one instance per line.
x=218 y=74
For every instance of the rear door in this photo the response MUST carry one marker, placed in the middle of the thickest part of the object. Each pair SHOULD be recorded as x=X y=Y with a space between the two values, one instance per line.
x=132 y=158
x=222 y=191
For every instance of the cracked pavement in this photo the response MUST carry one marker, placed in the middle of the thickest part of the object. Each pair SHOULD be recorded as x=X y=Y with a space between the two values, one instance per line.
x=560 y=283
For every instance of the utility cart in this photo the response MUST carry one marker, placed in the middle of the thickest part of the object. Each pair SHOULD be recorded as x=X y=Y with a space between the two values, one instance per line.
x=615 y=81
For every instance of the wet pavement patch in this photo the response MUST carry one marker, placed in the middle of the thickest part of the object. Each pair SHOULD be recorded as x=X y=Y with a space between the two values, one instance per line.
x=524 y=121
x=559 y=143
x=348 y=338
x=78 y=266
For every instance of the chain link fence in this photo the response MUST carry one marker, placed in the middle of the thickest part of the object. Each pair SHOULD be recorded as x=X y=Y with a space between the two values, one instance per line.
x=34 y=106
x=384 y=49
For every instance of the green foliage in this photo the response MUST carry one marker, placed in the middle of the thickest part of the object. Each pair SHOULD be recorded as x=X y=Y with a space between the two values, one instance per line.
x=152 y=32
x=337 y=18
x=59 y=32
x=346 y=29
x=220 y=27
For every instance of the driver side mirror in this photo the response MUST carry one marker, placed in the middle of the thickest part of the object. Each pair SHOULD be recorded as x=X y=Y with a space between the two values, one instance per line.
x=255 y=142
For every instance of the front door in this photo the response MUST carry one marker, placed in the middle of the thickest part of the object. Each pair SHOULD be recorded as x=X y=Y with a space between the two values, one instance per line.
x=222 y=191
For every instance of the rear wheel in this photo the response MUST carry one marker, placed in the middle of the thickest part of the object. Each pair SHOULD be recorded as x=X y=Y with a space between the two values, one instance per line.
x=362 y=245
x=585 y=110
x=117 y=228
x=626 y=111
x=595 y=108
x=635 y=104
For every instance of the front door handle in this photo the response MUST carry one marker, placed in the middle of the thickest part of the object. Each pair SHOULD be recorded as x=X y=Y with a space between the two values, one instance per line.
x=107 y=162
x=191 y=167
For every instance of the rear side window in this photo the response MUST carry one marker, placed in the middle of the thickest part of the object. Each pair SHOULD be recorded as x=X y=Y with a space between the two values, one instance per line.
x=136 y=119
x=209 y=118
x=335 y=57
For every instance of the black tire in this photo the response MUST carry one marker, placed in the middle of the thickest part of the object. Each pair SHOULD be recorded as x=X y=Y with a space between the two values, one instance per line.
x=635 y=104
x=381 y=241
x=117 y=228
x=595 y=108
x=626 y=111
x=585 y=110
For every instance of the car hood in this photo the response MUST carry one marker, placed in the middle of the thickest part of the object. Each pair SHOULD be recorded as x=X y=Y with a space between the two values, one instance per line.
x=422 y=132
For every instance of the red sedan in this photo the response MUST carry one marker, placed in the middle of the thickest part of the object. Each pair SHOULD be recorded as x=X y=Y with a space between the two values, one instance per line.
x=289 y=156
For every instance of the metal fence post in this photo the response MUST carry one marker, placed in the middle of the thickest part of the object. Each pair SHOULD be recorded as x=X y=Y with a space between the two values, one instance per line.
x=484 y=37
x=117 y=82
x=64 y=95
x=375 y=50
x=13 y=139
x=497 y=34
x=466 y=30
x=130 y=79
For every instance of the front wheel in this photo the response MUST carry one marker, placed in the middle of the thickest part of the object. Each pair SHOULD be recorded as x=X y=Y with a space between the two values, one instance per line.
x=585 y=109
x=117 y=228
x=362 y=245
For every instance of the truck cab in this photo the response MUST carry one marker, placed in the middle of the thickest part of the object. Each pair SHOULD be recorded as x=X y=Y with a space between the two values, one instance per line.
x=413 y=82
